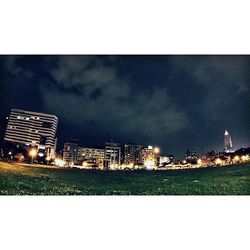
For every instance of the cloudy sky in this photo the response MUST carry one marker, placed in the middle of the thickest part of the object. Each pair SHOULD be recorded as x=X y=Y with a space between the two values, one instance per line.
x=175 y=102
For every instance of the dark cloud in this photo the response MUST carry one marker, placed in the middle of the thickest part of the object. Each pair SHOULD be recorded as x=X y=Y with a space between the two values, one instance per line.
x=109 y=102
x=174 y=101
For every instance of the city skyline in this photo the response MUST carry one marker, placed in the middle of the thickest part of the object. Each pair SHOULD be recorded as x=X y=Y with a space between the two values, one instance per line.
x=176 y=102
x=29 y=128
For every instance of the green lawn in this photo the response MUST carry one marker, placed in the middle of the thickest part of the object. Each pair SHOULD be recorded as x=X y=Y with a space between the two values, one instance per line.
x=29 y=180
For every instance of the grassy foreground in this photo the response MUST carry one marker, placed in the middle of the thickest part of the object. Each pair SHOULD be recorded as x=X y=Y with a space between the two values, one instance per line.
x=29 y=180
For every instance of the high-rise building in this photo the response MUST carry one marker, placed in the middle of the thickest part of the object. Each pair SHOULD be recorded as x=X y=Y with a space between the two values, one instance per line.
x=129 y=153
x=228 y=142
x=32 y=129
x=133 y=154
x=90 y=154
x=113 y=153
x=70 y=152
x=139 y=159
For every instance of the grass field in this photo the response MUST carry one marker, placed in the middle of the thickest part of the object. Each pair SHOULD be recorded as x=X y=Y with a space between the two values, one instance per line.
x=29 y=180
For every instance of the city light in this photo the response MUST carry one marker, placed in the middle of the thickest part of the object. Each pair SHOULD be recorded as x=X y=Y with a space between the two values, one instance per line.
x=59 y=162
x=218 y=161
x=149 y=164
x=85 y=164
x=112 y=166
x=48 y=158
x=156 y=150
x=245 y=157
x=131 y=165
x=33 y=154
x=236 y=158
x=199 y=161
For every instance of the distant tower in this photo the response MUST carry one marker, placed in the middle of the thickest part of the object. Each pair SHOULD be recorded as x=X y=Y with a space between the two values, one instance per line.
x=228 y=142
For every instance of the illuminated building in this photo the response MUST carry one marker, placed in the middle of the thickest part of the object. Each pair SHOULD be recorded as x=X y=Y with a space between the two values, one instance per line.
x=59 y=162
x=133 y=154
x=149 y=157
x=113 y=153
x=164 y=160
x=90 y=153
x=191 y=157
x=32 y=129
x=228 y=142
x=70 y=152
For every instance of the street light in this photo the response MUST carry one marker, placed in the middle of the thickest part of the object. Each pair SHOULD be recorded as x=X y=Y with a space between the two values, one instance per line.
x=156 y=150
x=10 y=155
x=32 y=154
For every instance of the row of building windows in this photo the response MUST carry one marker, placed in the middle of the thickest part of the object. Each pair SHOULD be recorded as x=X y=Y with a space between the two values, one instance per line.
x=28 y=129
x=27 y=118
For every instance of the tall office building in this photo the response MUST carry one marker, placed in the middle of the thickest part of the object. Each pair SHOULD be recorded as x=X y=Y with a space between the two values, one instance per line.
x=32 y=129
x=133 y=154
x=70 y=152
x=228 y=142
x=113 y=153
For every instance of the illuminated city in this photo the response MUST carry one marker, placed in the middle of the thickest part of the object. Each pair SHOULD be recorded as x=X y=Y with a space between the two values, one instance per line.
x=114 y=115
x=113 y=156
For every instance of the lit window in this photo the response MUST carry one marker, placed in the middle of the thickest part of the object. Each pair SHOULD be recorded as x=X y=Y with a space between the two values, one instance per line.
x=18 y=117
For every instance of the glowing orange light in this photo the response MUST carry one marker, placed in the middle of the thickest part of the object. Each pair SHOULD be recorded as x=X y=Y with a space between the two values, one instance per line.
x=85 y=164
x=48 y=158
x=218 y=161
x=156 y=150
x=33 y=152
x=245 y=157
x=236 y=158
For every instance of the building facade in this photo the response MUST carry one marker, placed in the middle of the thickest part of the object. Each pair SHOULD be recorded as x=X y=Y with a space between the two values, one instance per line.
x=191 y=157
x=228 y=142
x=70 y=152
x=167 y=159
x=90 y=154
x=113 y=153
x=32 y=129
x=133 y=154
x=150 y=157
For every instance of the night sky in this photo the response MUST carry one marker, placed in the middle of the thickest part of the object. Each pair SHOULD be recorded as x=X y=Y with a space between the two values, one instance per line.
x=174 y=102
